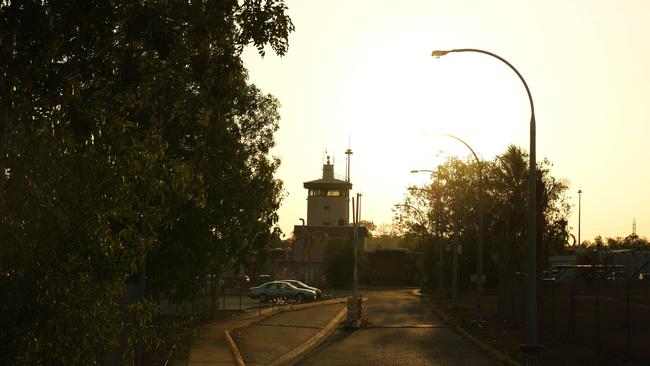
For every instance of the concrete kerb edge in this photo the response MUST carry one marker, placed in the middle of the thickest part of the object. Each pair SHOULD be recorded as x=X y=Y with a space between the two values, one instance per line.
x=239 y=360
x=500 y=357
x=314 y=341
x=244 y=323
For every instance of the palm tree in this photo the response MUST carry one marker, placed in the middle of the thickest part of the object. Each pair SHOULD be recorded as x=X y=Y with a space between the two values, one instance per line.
x=509 y=196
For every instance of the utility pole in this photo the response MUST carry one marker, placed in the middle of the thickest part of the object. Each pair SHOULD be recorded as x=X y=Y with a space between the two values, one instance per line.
x=579 y=208
x=454 y=278
x=357 y=218
x=355 y=236
x=354 y=303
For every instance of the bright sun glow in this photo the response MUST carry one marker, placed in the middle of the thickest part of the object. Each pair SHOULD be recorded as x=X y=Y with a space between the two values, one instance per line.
x=368 y=79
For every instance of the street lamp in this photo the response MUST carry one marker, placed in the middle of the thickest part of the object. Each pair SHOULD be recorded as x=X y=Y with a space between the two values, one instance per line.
x=422 y=171
x=479 y=252
x=531 y=344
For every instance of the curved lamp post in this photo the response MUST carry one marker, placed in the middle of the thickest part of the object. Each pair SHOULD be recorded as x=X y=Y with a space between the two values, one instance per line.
x=531 y=344
x=479 y=252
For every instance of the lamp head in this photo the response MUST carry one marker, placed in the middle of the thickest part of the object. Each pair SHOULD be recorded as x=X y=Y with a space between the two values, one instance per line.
x=439 y=53
x=415 y=171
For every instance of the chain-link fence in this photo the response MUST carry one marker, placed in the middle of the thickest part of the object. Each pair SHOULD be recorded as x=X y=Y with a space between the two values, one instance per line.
x=602 y=307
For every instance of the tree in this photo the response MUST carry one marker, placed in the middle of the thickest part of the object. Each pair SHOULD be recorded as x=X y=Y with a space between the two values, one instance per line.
x=368 y=225
x=447 y=207
x=508 y=197
x=129 y=139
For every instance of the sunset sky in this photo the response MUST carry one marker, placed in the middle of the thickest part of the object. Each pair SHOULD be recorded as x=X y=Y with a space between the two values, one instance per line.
x=360 y=73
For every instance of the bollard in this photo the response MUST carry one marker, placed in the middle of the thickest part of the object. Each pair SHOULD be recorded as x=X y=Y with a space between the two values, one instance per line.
x=354 y=311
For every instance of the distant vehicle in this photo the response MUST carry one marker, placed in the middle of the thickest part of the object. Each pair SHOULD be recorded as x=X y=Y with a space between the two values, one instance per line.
x=280 y=290
x=302 y=285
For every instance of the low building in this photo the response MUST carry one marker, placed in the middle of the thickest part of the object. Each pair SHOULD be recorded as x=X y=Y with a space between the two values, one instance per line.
x=393 y=267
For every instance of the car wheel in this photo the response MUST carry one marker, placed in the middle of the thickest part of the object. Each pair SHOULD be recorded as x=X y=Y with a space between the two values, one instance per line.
x=300 y=298
x=263 y=298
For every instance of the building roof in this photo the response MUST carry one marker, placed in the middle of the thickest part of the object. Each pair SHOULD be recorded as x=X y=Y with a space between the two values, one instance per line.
x=328 y=182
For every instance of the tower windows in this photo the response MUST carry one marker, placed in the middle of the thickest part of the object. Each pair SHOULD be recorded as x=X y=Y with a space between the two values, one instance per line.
x=326 y=192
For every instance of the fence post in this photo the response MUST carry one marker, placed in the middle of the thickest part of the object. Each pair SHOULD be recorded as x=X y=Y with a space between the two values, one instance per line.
x=572 y=309
x=597 y=295
x=628 y=315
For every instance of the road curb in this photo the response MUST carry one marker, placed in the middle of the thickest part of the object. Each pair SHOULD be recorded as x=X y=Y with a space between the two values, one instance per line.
x=314 y=341
x=234 y=349
x=239 y=360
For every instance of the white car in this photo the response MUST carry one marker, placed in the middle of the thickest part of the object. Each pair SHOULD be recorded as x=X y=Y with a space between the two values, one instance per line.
x=280 y=290
x=305 y=286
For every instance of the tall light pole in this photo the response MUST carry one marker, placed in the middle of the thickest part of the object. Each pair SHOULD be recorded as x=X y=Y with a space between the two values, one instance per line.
x=579 y=207
x=479 y=251
x=531 y=344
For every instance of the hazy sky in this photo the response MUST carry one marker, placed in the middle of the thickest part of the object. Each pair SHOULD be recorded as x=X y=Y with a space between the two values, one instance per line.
x=361 y=72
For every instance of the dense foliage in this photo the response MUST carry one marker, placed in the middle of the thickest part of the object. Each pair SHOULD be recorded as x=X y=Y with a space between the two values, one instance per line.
x=446 y=210
x=130 y=141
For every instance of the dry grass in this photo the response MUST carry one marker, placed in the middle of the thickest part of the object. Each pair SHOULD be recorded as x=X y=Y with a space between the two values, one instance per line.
x=583 y=347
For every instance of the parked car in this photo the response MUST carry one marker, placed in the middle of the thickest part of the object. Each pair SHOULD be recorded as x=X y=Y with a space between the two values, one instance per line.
x=280 y=290
x=305 y=286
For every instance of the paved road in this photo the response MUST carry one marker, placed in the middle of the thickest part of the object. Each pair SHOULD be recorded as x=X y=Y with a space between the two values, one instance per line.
x=402 y=331
x=264 y=342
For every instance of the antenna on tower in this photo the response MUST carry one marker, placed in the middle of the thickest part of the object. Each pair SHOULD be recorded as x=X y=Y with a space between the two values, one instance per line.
x=348 y=152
